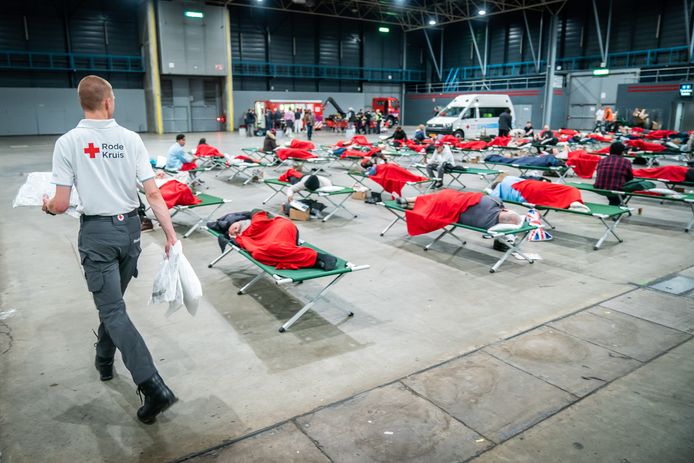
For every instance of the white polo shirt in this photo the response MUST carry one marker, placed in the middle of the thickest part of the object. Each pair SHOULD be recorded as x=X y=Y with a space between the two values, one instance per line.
x=104 y=162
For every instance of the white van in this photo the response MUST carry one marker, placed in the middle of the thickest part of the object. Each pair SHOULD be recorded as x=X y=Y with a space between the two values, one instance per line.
x=471 y=116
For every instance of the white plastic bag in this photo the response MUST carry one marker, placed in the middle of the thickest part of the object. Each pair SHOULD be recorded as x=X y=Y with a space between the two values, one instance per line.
x=177 y=283
x=190 y=283
x=38 y=185
x=167 y=284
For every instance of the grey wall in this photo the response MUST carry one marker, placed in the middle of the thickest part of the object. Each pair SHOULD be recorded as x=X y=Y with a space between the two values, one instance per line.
x=48 y=111
x=89 y=26
x=192 y=46
x=658 y=99
x=245 y=99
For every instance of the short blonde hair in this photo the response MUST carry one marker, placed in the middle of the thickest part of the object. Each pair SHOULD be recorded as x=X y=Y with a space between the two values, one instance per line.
x=92 y=91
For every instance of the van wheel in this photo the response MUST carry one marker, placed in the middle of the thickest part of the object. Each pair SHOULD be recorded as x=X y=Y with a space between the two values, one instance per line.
x=459 y=134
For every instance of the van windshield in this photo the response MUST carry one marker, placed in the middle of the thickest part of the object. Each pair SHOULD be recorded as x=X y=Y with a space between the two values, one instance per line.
x=453 y=111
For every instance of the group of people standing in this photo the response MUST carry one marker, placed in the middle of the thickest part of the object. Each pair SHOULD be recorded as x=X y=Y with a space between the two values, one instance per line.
x=289 y=120
x=363 y=121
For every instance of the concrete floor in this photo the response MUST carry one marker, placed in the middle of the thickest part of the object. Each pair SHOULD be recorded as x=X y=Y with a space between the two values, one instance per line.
x=442 y=361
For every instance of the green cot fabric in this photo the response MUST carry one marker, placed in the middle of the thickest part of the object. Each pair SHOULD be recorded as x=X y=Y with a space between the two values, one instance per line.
x=475 y=171
x=540 y=168
x=207 y=200
x=687 y=197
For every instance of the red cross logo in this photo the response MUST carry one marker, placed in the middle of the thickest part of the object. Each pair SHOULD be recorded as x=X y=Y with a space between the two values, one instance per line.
x=91 y=150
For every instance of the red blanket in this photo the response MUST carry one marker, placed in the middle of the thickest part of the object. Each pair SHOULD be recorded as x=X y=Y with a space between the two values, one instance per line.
x=393 y=178
x=434 y=211
x=472 y=145
x=301 y=144
x=600 y=138
x=176 y=193
x=450 y=139
x=273 y=242
x=415 y=147
x=360 y=140
x=605 y=150
x=641 y=145
x=658 y=134
x=356 y=154
x=289 y=174
x=671 y=173
x=583 y=164
x=188 y=166
x=548 y=194
x=500 y=141
x=208 y=150
x=294 y=153
x=566 y=132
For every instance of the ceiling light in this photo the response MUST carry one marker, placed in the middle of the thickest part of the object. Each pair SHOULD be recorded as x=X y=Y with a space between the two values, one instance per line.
x=383 y=29
x=482 y=12
x=432 y=22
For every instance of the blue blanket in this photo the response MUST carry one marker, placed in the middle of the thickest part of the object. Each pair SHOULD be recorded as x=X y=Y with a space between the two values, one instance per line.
x=548 y=160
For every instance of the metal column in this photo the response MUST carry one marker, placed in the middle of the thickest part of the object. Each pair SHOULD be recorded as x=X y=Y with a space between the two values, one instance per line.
x=152 y=78
x=551 y=66
x=404 y=71
x=228 y=84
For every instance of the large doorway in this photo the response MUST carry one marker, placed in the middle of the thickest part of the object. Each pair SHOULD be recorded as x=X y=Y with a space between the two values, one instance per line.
x=587 y=92
x=191 y=104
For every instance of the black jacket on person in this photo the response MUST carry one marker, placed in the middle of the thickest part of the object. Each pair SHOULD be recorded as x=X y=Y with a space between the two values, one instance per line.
x=269 y=144
x=398 y=135
x=505 y=121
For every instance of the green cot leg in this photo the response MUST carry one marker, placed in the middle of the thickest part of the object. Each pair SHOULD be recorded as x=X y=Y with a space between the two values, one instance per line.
x=609 y=229
x=310 y=304
x=516 y=247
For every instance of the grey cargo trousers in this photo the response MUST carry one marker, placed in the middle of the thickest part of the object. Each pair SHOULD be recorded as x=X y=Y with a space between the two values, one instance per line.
x=109 y=248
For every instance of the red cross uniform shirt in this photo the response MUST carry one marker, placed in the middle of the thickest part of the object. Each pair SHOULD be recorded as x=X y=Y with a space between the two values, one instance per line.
x=613 y=172
x=104 y=162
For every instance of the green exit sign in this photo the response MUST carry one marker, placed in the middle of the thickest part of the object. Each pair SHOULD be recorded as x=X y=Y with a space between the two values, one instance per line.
x=194 y=14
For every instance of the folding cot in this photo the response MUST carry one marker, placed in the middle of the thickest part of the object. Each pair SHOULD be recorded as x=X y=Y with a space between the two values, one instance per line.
x=239 y=168
x=193 y=180
x=284 y=277
x=278 y=187
x=361 y=178
x=522 y=234
x=458 y=171
x=267 y=157
x=207 y=201
x=668 y=183
x=561 y=171
x=625 y=197
x=602 y=212
x=405 y=156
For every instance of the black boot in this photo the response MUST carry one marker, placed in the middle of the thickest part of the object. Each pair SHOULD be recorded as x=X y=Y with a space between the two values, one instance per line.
x=158 y=397
x=104 y=367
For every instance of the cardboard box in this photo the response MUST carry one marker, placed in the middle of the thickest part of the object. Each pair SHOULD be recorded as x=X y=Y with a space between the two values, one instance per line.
x=296 y=214
x=360 y=195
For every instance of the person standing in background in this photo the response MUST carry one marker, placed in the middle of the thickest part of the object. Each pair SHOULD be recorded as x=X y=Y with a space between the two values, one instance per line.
x=309 y=120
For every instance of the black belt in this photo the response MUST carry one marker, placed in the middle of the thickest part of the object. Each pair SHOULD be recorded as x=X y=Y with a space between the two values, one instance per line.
x=132 y=213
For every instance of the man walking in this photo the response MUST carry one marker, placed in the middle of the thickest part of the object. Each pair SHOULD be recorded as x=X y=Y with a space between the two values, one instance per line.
x=505 y=123
x=104 y=162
